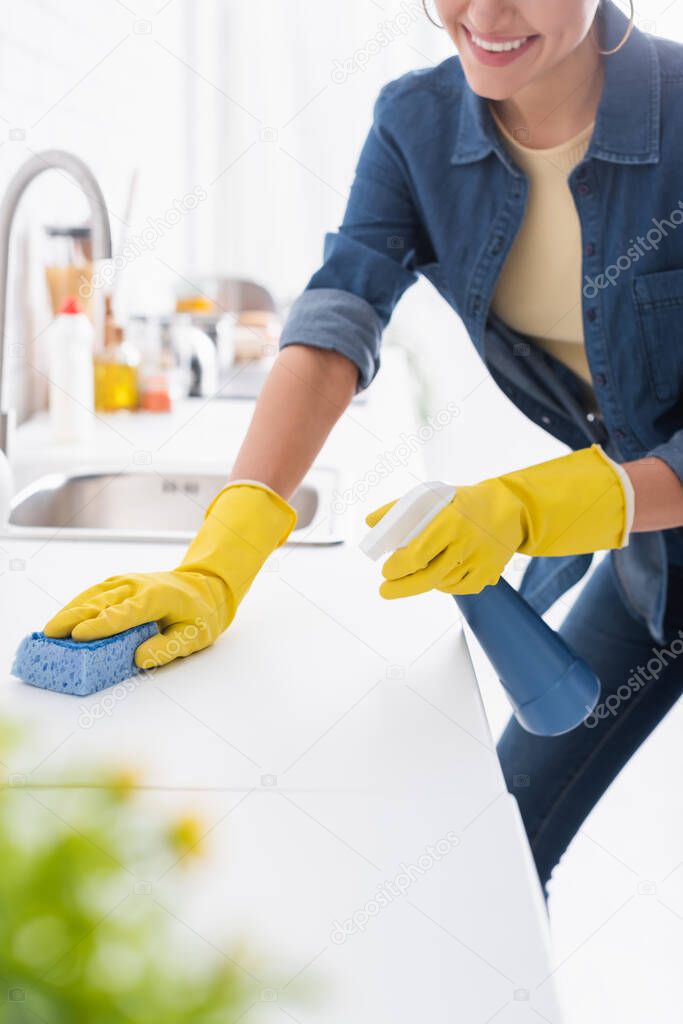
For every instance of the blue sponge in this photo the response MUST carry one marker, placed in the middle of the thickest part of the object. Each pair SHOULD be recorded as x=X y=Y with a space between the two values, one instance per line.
x=80 y=667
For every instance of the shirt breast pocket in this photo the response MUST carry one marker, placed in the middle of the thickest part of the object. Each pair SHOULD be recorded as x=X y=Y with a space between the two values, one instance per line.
x=658 y=301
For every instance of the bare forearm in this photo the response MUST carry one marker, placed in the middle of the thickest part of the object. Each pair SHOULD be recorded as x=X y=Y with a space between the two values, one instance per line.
x=304 y=395
x=658 y=493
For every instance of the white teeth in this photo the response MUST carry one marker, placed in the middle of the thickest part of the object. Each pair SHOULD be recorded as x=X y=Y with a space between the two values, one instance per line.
x=499 y=47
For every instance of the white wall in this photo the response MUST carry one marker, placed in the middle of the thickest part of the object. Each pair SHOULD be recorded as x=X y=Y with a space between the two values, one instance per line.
x=289 y=133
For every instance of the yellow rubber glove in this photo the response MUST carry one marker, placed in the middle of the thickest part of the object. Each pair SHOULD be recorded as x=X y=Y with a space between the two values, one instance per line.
x=195 y=602
x=574 y=504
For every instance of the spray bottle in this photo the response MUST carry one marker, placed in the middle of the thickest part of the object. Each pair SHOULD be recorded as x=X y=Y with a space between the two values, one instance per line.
x=550 y=689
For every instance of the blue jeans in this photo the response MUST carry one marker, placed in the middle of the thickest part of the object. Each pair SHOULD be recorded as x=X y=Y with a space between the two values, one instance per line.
x=558 y=780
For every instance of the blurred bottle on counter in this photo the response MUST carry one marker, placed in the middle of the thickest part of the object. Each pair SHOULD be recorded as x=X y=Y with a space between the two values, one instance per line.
x=165 y=362
x=69 y=266
x=116 y=368
x=70 y=345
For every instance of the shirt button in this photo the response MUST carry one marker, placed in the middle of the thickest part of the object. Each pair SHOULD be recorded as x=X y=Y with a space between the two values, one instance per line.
x=600 y=379
x=584 y=190
x=619 y=433
x=590 y=249
x=591 y=314
x=545 y=420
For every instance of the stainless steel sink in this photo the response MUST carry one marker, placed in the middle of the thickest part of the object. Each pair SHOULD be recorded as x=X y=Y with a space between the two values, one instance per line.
x=152 y=505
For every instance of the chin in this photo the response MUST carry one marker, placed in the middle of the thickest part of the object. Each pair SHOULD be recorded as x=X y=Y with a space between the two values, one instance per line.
x=486 y=87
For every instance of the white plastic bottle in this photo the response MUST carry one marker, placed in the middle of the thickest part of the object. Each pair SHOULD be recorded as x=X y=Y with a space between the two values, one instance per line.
x=70 y=344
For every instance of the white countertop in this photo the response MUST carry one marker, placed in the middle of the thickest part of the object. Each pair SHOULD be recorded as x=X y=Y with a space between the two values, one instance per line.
x=328 y=737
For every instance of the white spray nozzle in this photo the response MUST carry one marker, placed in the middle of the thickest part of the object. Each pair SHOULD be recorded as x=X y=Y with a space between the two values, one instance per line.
x=407 y=518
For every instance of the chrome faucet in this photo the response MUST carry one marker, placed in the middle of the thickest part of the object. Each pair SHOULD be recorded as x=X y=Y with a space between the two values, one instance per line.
x=100 y=233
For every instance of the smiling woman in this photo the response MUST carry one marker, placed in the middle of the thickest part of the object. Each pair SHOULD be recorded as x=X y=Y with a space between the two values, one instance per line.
x=544 y=45
x=505 y=175
x=553 y=125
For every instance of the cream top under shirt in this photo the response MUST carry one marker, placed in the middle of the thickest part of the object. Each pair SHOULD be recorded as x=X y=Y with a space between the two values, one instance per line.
x=539 y=288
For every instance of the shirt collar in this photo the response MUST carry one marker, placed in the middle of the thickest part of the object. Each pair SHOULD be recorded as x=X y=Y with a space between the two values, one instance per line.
x=628 y=115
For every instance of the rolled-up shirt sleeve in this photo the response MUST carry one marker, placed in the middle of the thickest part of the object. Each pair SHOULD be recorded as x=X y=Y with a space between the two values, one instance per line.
x=671 y=452
x=369 y=262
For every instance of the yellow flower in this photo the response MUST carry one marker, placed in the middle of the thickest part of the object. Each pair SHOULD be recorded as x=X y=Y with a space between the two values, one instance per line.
x=186 y=834
x=123 y=782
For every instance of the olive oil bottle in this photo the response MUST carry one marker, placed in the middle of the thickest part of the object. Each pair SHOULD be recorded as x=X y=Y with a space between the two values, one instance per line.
x=116 y=368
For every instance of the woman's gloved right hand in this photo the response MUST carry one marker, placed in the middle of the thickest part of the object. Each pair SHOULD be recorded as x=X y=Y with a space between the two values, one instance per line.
x=194 y=603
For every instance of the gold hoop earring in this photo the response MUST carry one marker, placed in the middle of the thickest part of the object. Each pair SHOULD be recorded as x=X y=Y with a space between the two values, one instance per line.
x=606 y=53
x=426 y=10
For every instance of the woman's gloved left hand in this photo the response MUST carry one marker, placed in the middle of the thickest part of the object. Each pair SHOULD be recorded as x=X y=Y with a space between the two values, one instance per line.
x=578 y=503
x=195 y=602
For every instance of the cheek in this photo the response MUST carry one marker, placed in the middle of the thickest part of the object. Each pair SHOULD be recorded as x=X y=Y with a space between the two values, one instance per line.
x=449 y=12
x=563 y=22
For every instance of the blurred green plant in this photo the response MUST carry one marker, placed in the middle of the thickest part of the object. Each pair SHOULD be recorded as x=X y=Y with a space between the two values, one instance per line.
x=81 y=939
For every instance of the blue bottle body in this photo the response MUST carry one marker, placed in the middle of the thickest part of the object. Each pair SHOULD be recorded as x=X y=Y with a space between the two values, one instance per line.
x=550 y=689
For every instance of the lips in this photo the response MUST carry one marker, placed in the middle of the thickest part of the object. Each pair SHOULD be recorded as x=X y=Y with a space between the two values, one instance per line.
x=499 y=58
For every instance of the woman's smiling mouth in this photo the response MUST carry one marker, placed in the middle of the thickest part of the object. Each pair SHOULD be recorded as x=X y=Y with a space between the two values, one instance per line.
x=498 y=51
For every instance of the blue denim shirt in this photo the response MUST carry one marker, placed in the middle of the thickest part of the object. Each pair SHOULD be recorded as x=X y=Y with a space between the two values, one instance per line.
x=436 y=193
